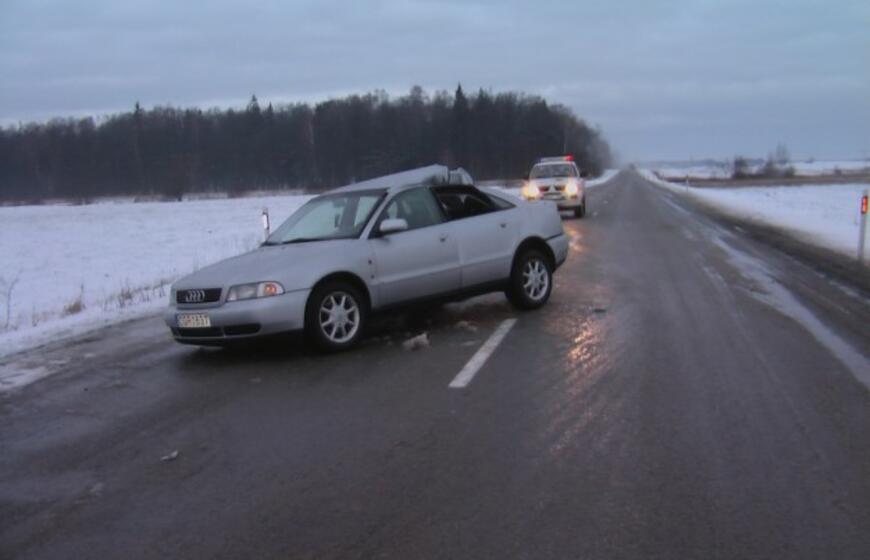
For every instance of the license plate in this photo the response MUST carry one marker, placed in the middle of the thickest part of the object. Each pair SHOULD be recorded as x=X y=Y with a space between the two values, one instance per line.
x=194 y=321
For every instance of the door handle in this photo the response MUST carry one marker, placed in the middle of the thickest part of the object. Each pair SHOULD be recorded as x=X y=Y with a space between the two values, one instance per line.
x=442 y=237
x=503 y=224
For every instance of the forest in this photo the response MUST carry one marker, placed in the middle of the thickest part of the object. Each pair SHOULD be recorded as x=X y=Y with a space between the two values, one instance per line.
x=169 y=152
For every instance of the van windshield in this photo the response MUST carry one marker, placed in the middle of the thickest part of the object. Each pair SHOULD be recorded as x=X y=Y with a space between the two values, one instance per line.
x=552 y=170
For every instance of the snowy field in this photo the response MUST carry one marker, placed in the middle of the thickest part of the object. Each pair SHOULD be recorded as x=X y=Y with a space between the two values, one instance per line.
x=809 y=168
x=723 y=170
x=824 y=215
x=719 y=171
x=67 y=269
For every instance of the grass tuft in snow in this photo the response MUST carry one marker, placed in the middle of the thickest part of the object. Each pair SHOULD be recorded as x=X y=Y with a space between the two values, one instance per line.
x=76 y=306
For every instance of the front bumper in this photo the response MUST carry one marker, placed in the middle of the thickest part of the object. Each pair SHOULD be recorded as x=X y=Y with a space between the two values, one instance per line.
x=238 y=320
x=561 y=201
x=559 y=245
x=568 y=203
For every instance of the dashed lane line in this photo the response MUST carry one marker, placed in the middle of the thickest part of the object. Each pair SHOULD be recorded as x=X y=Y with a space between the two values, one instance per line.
x=464 y=377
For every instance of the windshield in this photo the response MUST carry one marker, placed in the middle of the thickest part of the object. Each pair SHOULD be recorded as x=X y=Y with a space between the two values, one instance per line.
x=552 y=170
x=337 y=216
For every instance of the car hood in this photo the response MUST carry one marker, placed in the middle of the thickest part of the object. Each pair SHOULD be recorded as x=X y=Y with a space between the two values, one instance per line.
x=551 y=181
x=292 y=265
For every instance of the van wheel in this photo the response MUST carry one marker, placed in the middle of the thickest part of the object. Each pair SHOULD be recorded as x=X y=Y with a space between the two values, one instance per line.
x=580 y=211
x=531 y=280
x=335 y=316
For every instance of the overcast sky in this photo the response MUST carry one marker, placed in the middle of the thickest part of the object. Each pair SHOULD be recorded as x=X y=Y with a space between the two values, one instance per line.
x=663 y=79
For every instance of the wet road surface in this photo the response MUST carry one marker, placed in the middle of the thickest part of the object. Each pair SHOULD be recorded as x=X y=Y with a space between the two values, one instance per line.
x=687 y=393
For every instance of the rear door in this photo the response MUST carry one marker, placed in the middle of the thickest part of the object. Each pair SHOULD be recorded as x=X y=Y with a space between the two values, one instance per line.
x=487 y=230
x=422 y=261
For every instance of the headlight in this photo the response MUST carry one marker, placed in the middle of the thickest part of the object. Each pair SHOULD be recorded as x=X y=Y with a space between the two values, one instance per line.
x=256 y=290
x=571 y=188
x=531 y=191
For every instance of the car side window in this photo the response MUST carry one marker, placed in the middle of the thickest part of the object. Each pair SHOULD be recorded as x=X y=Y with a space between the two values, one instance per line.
x=500 y=203
x=464 y=202
x=417 y=207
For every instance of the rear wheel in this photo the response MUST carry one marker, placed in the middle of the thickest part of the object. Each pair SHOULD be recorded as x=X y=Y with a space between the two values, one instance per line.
x=531 y=280
x=335 y=316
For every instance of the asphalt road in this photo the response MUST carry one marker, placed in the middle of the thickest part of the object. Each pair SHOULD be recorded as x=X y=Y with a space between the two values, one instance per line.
x=688 y=392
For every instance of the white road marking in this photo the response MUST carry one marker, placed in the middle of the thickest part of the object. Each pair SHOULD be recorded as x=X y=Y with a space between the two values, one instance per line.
x=464 y=377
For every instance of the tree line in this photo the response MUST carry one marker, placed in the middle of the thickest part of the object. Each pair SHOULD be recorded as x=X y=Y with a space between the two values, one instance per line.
x=171 y=151
x=777 y=165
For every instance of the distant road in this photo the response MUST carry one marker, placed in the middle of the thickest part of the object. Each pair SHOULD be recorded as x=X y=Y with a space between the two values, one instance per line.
x=688 y=392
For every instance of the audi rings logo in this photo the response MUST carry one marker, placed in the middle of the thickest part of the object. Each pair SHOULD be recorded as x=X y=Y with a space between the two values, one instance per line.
x=194 y=296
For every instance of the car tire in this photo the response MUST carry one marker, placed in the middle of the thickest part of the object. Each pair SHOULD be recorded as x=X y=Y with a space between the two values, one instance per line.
x=580 y=211
x=335 y=316
x=531 y=280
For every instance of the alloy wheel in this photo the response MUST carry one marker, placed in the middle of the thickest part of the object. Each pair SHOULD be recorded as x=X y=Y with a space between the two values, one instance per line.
x=339 y=317
x=536 y=279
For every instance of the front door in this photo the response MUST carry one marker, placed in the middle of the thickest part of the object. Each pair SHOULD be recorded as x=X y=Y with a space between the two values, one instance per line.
x=423 y=260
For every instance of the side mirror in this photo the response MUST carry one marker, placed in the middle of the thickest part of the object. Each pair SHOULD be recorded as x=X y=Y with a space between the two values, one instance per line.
x=584 y=174
x=393 y=225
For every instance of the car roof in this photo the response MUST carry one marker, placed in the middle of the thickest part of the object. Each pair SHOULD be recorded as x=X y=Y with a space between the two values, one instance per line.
x=543 y=163
x=430 y=175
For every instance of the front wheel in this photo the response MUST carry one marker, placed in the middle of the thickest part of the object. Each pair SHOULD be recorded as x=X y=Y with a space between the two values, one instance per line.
x=531 y=280
x=335 y=316
x=580 y=211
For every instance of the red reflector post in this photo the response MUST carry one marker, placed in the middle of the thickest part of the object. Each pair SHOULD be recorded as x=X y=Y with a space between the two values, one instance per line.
x=864 y=204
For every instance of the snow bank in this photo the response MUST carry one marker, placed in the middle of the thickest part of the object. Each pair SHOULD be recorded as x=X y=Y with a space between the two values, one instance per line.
x=72 y=268
x=606 y=176
x=825 y=215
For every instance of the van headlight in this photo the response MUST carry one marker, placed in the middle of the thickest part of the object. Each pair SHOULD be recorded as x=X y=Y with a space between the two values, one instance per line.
x=571 y=188
x=530 y=191
x=255 y=290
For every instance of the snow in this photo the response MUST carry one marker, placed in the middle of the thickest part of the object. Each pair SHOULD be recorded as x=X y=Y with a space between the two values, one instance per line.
x=116 y=258
x=810 y=168
x=417 y=343
x=825 y=215
x=606 y=176
x=69 y=269
x=12 y=377
x=417 y=176
x=770 y=292
x=724 y=169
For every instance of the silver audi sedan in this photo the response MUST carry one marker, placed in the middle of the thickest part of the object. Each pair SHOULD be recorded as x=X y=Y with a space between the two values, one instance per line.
x=417 y=236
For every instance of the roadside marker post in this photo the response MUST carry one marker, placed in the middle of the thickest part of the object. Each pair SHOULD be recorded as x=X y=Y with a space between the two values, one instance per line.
x=862 y=229
x=266 y=226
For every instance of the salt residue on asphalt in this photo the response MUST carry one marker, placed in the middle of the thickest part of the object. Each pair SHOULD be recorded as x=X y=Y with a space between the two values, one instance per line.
x=117 y=259
x=825 y=215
